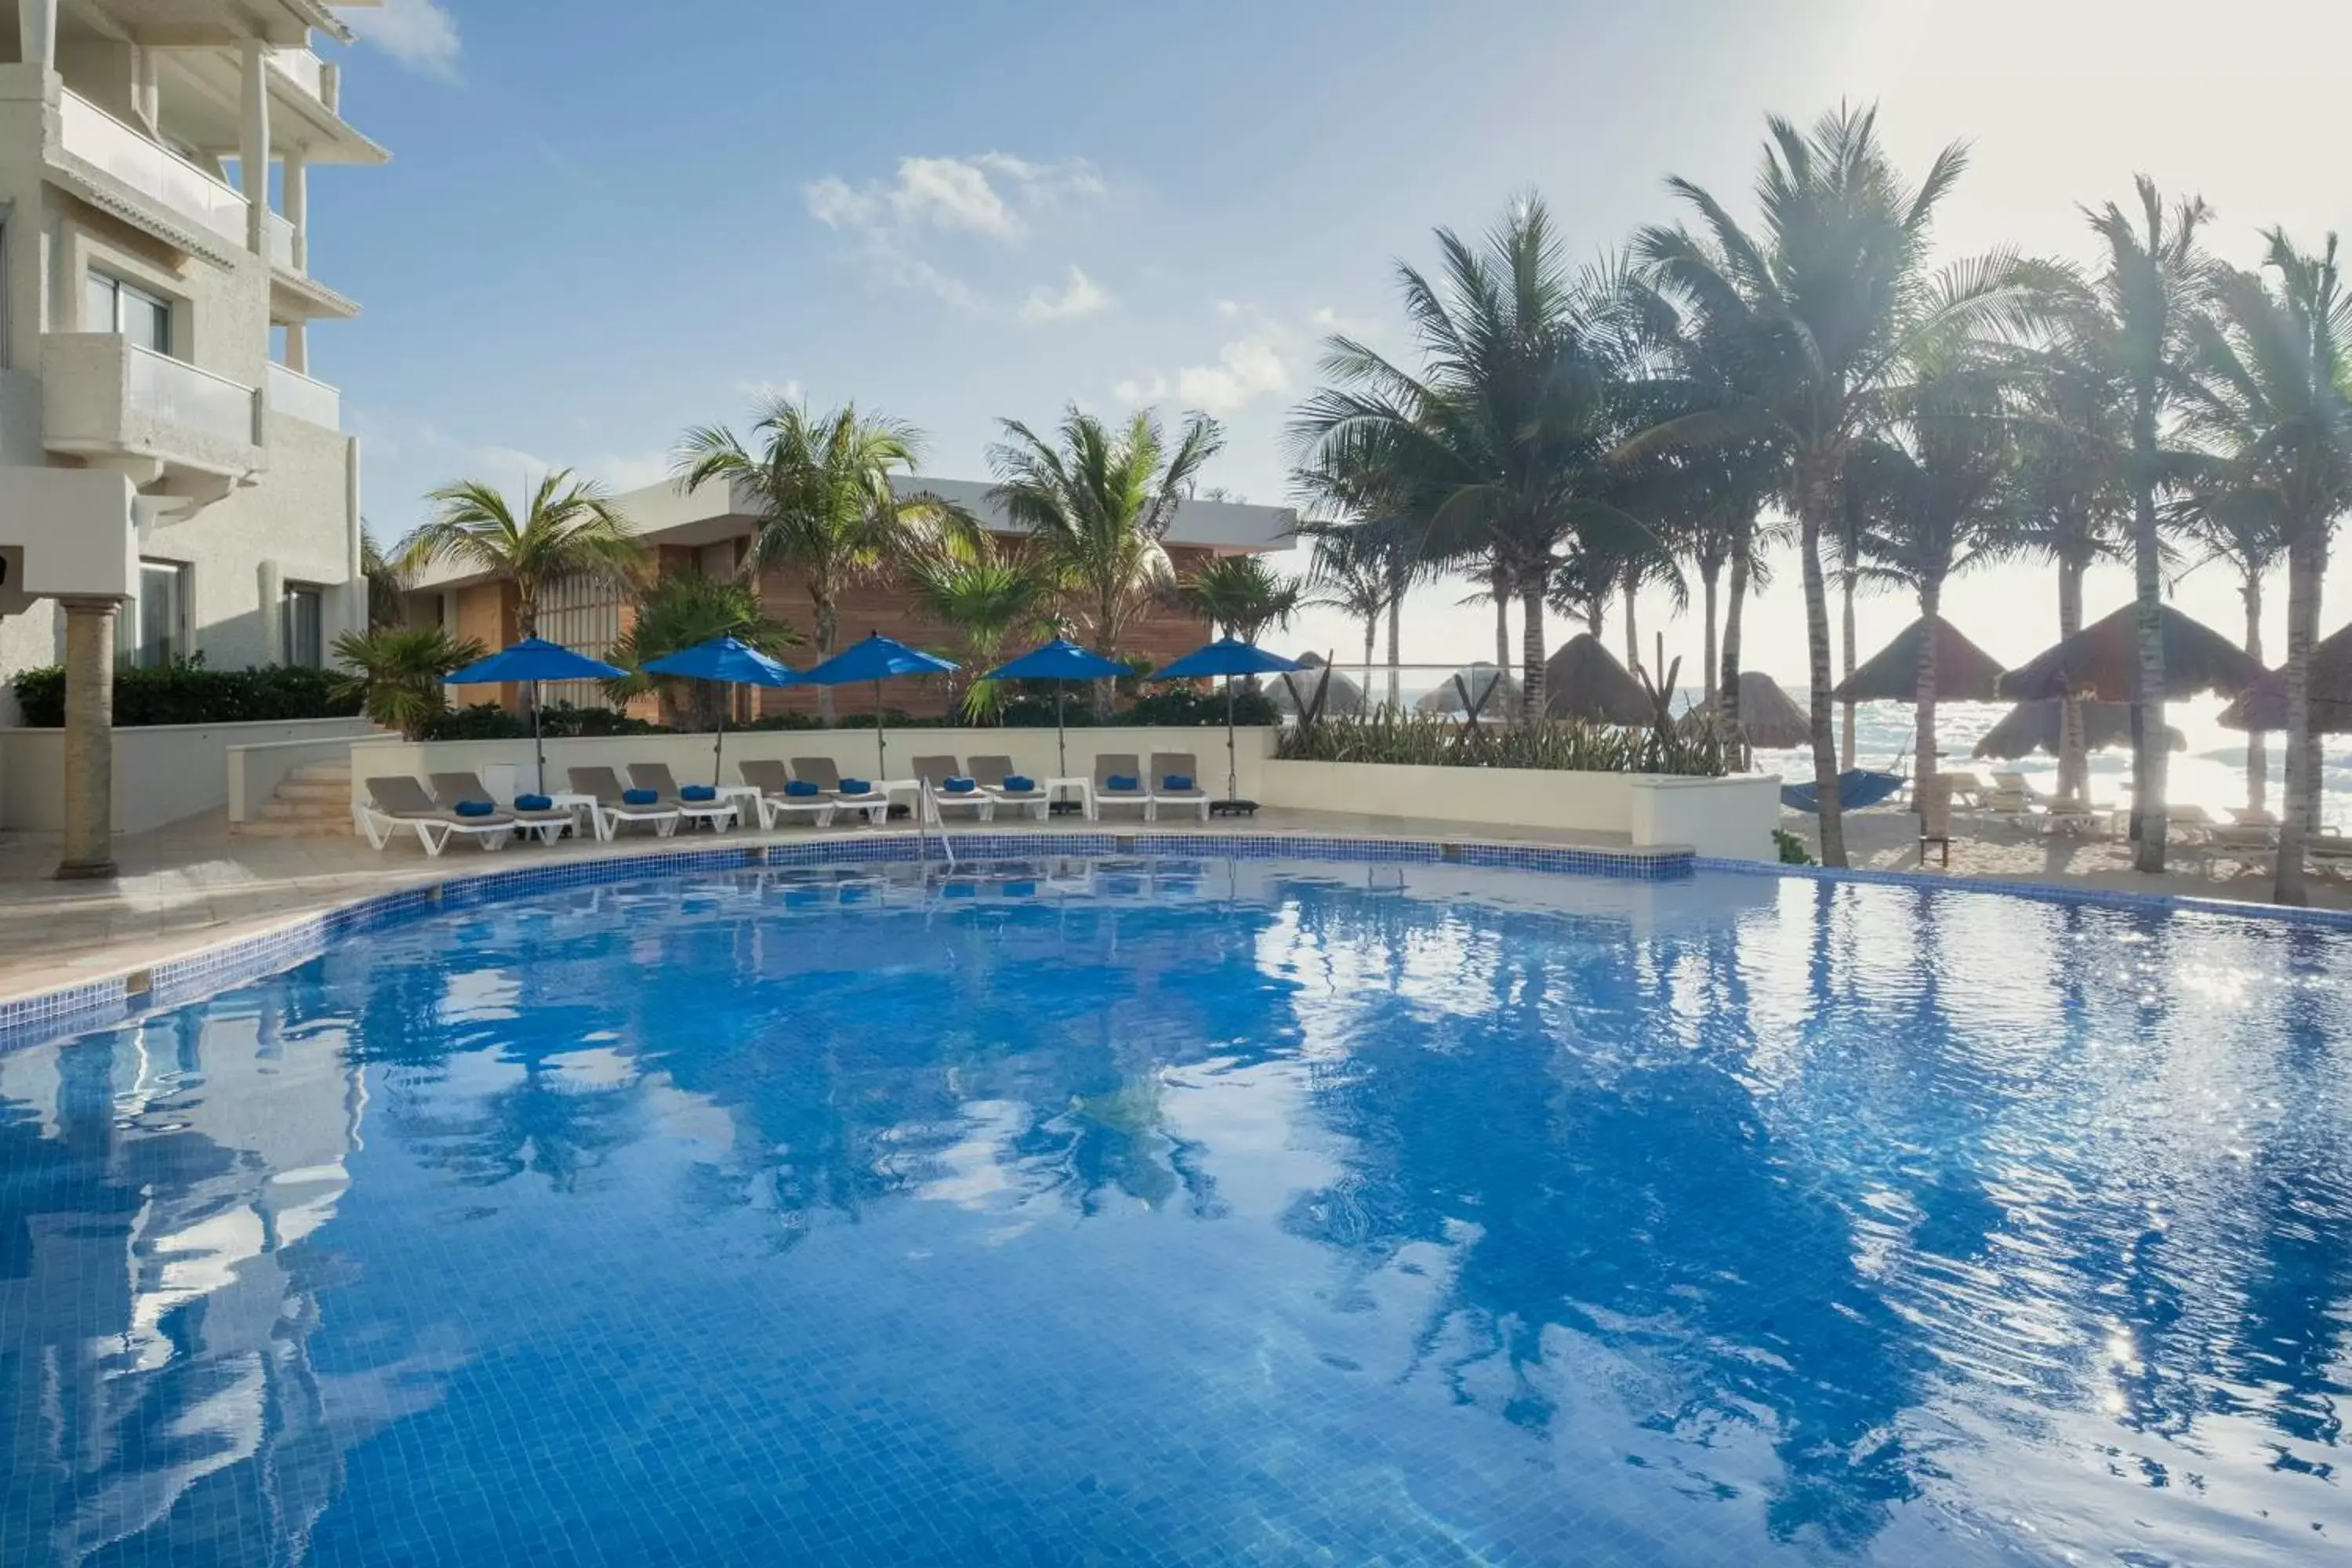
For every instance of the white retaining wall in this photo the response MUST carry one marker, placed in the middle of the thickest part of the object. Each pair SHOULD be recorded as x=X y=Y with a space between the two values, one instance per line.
x=162 y=772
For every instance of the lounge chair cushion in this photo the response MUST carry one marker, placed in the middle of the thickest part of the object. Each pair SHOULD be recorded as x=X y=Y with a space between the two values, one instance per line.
x=533 y=803
x=476 y=808
x=1176 y=781
x=1016 y=783
x=960 y=785
x=855 y=786
x=639 y=796
x=801 y=787
x=698 y=794
x=1123 y=784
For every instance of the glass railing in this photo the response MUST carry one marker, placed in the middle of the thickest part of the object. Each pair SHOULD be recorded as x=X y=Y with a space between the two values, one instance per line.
x=90 y=134
x=300 y=66
x=292 y=392
x=177 y=393
x=278 y=235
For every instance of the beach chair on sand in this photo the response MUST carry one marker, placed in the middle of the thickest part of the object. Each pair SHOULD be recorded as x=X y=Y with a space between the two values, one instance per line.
x=1933 y=800
x=1965 y=792
x=822 y=772
x=952 y=789
x=613 y=809
x=712 y=811
x=449 y=789
x=996 y=776
x=1175 y=781
x=397 y=803
x=1120 y=782
x=2329 y=851
x=778 y=797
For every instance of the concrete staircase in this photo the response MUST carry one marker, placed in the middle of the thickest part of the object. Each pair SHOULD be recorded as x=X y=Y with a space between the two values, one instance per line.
x=314 y=800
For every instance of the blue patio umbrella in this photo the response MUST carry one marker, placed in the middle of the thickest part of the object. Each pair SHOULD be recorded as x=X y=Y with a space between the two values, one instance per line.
x=1064 y=661
x=877 y=658
x=1228 y=656
x=532 y=660
x=728 y=660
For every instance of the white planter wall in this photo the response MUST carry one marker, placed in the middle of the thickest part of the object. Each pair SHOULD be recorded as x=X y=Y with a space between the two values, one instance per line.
x=162 y=772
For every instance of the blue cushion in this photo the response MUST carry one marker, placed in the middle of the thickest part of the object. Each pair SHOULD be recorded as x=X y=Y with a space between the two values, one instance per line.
x=533 y=803
x=475 y=808
x=801 y=787
x=1177 y=781
x=855 y=786
x=960 y=785
x=1019 y=784
x=697 y=793
x=639 y=796
x=1122 y=782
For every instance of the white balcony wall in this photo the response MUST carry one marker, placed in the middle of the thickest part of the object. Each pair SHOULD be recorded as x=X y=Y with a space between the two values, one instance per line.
x=301 y=67
x=174 y=391
x=280 y=239
x=292 y=392
x=154 y=171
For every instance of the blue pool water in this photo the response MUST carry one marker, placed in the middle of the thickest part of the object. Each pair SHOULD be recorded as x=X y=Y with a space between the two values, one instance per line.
x=1198 y=1212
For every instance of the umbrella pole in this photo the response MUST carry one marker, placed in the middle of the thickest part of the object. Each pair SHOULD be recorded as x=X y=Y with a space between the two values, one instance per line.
x=538 y=745
x=1061 y=735
x=881 y=750
x=719 y=747
x=1233 y=779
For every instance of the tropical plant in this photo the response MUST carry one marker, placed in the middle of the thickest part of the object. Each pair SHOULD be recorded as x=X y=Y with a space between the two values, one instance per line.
x=395 y=673
x=1823 y=305
x=1434 y=740
x=1363 y=569
x=675 y=612
x=986 y=599
x=2133 y=322
x=2275 y=363
x=1240 y=596
x=1505 y=430
x=820 y=487
x=386 y=583
x=566 y=528
x=2226 y=519
x=1098 y=504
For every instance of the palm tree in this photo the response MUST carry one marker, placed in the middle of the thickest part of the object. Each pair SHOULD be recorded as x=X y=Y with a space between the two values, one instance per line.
x=986 y=598
x=1098 y=504
x=677 y=612
x=2229 y=520
x=2136 y=326
x=1241 y=596
x=2276 y=364
x=820 y=486
x=395 y=672
x=1824 y=308
x=1508 y=426
x=1363 y=569
x=386 y=582
x=1928 y=488
x=568 y=527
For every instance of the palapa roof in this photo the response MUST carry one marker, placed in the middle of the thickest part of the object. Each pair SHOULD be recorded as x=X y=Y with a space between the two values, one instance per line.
x=2264 y=705
x=1964 y=672
x=1343 y=696
x=1769 y=717
x=2102 y=662
x=2033 y=727
x=1477 y=679
x=1584 y=680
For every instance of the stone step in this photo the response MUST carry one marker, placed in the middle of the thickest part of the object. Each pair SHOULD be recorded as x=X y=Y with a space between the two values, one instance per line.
x=321 y=772
x=295 y=827
x=338 y=791
x=321 y=810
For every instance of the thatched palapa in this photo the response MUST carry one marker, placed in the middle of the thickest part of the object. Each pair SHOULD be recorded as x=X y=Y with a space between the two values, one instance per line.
x=2264 y=705
x=1964 y=672
x=2033 y=727
x=2102 y=662
x=1344 y=697
x=1477 y=680
x=1584 y=680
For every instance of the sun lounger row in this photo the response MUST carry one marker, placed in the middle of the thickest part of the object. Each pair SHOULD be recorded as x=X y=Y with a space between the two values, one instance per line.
x=458 y=806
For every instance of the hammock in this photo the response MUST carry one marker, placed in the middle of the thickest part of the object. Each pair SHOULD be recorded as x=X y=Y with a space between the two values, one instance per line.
x=1857 y=787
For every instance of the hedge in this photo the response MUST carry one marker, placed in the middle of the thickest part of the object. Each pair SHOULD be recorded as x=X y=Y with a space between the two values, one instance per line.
x=188 y=693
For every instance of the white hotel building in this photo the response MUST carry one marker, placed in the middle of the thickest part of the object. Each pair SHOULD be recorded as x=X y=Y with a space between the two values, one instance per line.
x=173 y=480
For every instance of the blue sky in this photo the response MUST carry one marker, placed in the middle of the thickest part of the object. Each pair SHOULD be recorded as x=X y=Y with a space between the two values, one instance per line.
x=602 y=224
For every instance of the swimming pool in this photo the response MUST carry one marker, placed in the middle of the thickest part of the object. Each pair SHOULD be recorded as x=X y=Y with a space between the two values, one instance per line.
x=1200 y=1211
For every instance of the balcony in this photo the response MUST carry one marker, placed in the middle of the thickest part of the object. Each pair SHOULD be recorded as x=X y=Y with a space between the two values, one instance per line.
x=290 y=392
x=303 y=68
x=161 y=420
x=165 y=178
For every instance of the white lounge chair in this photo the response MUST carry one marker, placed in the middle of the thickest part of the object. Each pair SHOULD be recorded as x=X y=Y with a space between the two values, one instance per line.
x=612 y=811
x=396 y=803
x=2329 y=851
x=777 y=798
x=715 y=813
x=822 y=772
x=1136 y=790
x=1167 y=767
x=449 y=789
x=995 y=774
x=941 y=773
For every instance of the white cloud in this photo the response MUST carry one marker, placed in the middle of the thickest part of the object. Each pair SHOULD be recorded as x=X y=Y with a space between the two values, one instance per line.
x=1255 y=362
x=765 y=392
x=1080 y=295
x=994 y=195
x=419 y=33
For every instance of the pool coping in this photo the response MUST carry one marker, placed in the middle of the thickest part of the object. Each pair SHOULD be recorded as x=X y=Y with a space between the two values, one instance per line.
x=136 y=990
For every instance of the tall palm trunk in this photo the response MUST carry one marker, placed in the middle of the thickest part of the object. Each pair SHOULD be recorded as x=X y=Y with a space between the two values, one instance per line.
x=2150 y=756
x=1531 y=648
x=1499 y=583
x=1923 y=734
x=828 y=632
x=1396 y=668
x=1727 y=688
x=1633 y=620
x=1816 y=503
x=1708 y=574
x=2258 y=761
x=1845 y=591
x=2306 y=564
x=2074 y=745
x=1372 y=639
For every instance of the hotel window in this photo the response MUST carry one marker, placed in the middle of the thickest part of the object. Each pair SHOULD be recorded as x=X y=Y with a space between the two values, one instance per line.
x=111 y=305
x=583 y=614
x=155 y=631
x=301 y=627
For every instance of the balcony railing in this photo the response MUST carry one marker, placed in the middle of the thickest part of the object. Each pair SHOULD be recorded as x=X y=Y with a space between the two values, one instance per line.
x=301 y=67
x=292 y=392
x=176 y=392
x=156 y=172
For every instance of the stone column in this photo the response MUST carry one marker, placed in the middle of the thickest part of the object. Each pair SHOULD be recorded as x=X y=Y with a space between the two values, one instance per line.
x=294 y=186
x=89 y=850
x=253 y=147
x=36 y=32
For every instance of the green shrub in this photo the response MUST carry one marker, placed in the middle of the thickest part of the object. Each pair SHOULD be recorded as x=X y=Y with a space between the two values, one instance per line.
x=559 y=720
x=1180 y=706
x=188 y=693
x=1436 y=740
x=1791 y=848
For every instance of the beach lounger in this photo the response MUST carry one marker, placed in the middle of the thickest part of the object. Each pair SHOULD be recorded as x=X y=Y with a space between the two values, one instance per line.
x=1176 y=781
x=1118 y=780
x=993 y=774
x=2193 y=823
x=1965 y=792
x=1933 y=800
x=2329 y=851
x=952 y=789
x=396 y=803
x=822 y=773
x=449 y=789
x=777 y=796
x=612 y=809
x=656 y=776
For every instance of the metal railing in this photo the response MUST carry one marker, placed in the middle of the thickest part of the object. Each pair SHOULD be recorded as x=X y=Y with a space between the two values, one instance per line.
x=178 y=393
x=290 y=392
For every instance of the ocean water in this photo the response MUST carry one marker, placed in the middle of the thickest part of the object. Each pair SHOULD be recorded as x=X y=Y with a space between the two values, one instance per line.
x=1198 y=1212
